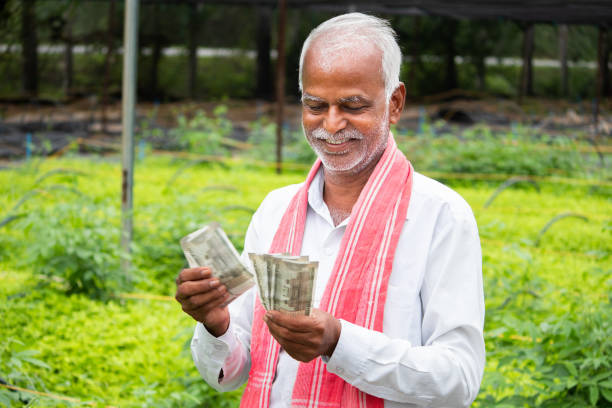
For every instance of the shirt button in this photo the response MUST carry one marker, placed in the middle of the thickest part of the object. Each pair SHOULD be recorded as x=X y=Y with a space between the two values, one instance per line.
x=340 y=370
x=328 y=251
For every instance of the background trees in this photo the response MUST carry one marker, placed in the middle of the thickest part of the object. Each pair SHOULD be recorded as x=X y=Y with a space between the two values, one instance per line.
x=63 y=48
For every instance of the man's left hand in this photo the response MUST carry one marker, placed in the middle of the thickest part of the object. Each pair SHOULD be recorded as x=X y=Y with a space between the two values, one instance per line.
x=304 y=337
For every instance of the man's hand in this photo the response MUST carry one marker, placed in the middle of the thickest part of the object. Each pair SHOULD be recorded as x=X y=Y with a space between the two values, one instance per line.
x=304 y=337
x=201 y=296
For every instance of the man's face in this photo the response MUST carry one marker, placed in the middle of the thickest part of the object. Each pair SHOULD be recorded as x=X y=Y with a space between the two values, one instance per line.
x=344 y=112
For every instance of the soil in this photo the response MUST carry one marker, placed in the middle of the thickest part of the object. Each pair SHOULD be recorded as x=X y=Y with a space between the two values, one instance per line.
x=53 y=127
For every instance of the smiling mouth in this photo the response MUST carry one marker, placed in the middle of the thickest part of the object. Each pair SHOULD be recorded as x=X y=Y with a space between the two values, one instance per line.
x=336 y=147
x=335 y=142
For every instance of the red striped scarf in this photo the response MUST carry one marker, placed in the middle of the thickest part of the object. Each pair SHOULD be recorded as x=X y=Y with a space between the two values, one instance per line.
x=365 y=255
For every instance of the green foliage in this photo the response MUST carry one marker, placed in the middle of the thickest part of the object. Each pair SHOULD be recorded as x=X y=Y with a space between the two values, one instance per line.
x=203 y=134
x=14 y=362
x=499 y=85
x=87 y=23
x=122 y=354
x=569 y=359
x=546 y=306
x=79 y=244
x=262 y=136
x=480 y=150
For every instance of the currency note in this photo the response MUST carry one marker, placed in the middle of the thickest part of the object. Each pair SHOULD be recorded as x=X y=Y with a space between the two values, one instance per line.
x=293 y=285
x=286 y=282
x=260 y=267
x=271 y=271
x=210 y=246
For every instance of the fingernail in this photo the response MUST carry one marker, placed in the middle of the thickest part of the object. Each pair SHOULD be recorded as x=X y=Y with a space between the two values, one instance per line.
x=214 y=283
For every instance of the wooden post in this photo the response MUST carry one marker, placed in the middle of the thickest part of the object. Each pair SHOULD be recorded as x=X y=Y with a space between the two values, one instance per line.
x=29 y=48
x=110 y=45
x=68 y=66
x=416 y=57
x=280 y=83
x=68 y=48
x=526 y=86
x=130 y=53
x=193 y=50
x=605 y=85
x=563 y=34
x=264 y=81
x=156 y=52
x=451 y=81
x=600 y=73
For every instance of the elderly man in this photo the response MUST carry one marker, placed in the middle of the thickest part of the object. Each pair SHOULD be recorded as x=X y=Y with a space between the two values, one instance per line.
x=399 y=299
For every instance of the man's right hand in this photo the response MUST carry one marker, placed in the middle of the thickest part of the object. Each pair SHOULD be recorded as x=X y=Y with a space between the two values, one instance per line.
x=201 y=296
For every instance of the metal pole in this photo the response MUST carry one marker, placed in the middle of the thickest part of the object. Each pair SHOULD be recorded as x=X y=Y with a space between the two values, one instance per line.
x=130 y=50
x=280 y=83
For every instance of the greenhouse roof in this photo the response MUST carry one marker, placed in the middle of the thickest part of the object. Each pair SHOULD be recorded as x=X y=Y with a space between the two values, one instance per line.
x=537 y=11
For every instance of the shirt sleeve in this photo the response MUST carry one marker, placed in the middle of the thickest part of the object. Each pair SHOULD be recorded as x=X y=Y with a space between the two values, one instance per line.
x=212 y=354
x=446 y=369
x=229 y=352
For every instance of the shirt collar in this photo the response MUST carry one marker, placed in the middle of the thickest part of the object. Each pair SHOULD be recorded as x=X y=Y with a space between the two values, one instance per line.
x=315 y=199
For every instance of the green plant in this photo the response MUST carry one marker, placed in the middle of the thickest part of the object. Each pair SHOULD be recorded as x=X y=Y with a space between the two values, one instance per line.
x=499 y=85
x=125 y=353
x=480 y=150
x=203 y=134
x=13 y=363
x=262 y=136
x=569 y=360
x=79 y=245
x=509 y=183
x=555 y=219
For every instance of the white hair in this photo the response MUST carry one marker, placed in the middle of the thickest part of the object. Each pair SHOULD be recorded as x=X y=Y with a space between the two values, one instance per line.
x=352 y=29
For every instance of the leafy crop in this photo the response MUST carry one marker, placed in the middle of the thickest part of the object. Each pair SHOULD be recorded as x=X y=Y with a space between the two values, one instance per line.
x=263 y=139
x=480 y=150
x=508 y=183
x=14 y=370
x=201 y=133
x=548 y=316
x=568 y=358
x=79 y=245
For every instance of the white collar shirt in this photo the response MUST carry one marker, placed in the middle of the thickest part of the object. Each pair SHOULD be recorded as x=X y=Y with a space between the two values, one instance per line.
x=431 y=351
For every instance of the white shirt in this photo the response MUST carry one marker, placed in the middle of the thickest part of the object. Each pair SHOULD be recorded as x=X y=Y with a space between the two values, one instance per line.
x=431 y=352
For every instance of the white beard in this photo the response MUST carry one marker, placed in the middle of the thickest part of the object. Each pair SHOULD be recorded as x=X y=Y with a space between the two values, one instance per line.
x=358 y=163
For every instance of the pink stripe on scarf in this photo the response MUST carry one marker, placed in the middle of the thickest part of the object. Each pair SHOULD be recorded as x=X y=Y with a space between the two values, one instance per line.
x=366 y=253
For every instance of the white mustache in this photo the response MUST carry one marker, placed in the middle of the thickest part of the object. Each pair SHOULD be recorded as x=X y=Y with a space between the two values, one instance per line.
x=338 y=137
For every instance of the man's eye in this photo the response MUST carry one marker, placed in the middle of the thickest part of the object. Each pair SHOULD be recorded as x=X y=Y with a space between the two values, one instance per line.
x=353 y=108
x=316 y=108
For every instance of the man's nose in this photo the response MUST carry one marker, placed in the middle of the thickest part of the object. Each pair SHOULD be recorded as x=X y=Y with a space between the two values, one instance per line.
x=335 y=120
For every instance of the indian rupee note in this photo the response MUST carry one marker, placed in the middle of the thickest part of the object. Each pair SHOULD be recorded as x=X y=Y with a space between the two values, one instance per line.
x=261 y=271
x=210 y=246
x=271 y=272
x=293 y=285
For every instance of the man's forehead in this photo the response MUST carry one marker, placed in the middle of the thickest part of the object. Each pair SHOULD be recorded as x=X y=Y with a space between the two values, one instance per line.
x=345 y=64
x=326 y=54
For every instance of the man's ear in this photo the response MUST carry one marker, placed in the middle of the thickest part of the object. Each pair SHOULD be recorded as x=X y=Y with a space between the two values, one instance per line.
x=396 y=103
